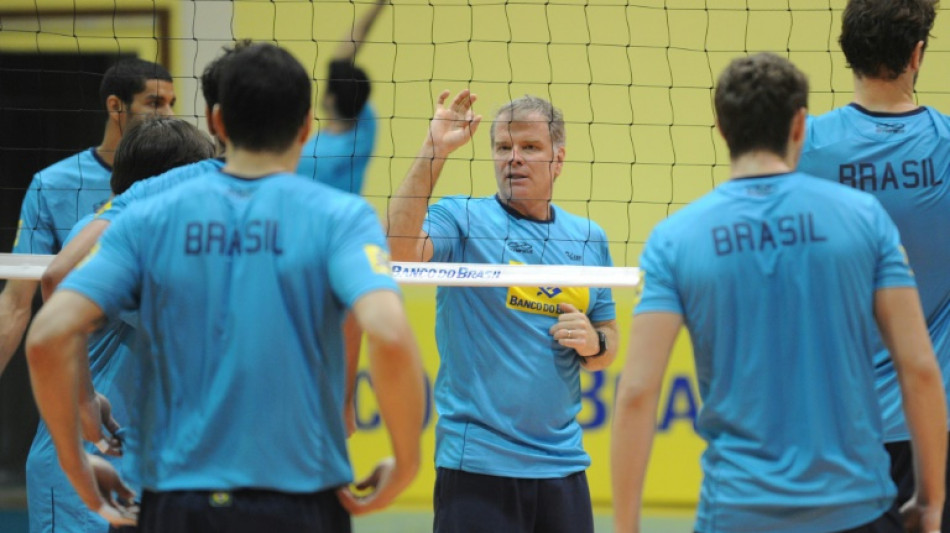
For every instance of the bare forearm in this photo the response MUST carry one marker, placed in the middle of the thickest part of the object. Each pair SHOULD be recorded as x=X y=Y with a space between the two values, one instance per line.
x=16 y=303
x=926 y=413
x=604 y=360
x=351 y=43
x=407 y=209
x=630 y=444
x=70 y=256
x=397 y=378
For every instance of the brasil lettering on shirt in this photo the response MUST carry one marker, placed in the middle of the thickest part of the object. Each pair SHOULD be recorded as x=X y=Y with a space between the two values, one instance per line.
x=213 y=237
x=880 y=176
x=787 y=230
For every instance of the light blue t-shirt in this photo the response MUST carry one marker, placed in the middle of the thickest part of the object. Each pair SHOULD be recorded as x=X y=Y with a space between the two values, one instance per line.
x=507 y=393
x=53 y=503
x=157 y=184
x=340 y=159
x=241 y=287
x=904 y=161
x=775 y=279
x=57 y=198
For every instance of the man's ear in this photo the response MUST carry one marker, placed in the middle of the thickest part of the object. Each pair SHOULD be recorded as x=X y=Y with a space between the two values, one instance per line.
x=217 y=123
x=115 y=106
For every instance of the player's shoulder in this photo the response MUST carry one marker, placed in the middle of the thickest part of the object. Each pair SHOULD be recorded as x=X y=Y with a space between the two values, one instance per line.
x=465 y=206
x=573 y=221
x=69 y=170
x=830 y=126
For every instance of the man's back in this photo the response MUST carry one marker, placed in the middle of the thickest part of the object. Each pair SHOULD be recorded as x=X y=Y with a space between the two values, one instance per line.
x=904 y=161
x=273 y=254
x=775 y=278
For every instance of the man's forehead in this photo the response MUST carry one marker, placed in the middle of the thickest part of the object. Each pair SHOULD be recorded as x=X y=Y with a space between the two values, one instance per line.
x=530 y=122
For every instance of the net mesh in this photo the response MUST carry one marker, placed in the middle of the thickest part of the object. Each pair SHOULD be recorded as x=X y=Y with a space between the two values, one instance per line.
x=633 y=77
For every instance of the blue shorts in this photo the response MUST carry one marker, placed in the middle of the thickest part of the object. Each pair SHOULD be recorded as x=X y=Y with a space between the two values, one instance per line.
x=242 y=511
x=478 y=503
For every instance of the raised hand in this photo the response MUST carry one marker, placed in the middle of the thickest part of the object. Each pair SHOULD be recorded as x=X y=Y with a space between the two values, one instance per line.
x=453 y=125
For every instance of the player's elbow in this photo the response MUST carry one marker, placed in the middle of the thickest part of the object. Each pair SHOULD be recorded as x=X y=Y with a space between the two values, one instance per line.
x=635 y=394
x=41 y=340
x=50 y=280
x=919 y=371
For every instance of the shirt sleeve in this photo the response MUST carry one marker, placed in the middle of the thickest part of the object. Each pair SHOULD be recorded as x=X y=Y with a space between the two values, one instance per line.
x=657 y=282
x=111 y=274
x=893 y=269
x=358 y=256
x=604 y=307
x=34 y=229
x=443 y=229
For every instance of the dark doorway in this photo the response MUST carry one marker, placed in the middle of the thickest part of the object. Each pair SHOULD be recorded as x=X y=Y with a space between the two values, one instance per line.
x=49 y=109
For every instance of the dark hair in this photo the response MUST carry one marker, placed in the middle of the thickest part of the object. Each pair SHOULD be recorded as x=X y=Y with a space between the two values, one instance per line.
x=878 y=36
x=127 y=78
x=756 y=98
x=349 y=86
x=155 y=144
x=212 y=72
x=264 y=95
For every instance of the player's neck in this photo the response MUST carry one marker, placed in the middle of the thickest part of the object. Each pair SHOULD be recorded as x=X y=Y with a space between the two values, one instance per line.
x=336 y=125
x=110 y=141
x=759 y=163
x=539 y=210
x=253 y=165
x=885 y=96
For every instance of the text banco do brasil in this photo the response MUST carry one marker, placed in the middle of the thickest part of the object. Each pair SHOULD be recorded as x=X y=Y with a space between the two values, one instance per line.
x=787 y=230
x=256 y=236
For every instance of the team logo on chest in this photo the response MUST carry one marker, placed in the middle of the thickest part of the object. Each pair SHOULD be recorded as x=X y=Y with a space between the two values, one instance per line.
x=546 y=300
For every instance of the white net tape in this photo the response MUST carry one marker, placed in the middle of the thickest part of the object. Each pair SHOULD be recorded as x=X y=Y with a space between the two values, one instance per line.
x=31 y=267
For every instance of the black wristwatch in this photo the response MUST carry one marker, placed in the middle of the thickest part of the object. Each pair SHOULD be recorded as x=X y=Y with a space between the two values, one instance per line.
x=602 y=337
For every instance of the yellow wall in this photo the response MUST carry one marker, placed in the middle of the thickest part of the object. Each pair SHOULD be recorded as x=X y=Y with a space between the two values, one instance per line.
x=635 y=85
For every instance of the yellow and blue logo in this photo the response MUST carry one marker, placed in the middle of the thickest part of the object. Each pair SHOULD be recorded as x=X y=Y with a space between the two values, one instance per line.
x=378 y=259
x=546 y=300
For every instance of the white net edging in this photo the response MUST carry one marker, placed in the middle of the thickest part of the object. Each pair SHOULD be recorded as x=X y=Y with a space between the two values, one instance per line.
x=31 y=267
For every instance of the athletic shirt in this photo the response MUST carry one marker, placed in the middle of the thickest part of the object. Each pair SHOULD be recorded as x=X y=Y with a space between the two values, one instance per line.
x=340 y=159
x=775 y=280
x=904 y=161
x=241 y=287
x=507 y=393
x=112 y=376
x=57 y=198
x=151 y=186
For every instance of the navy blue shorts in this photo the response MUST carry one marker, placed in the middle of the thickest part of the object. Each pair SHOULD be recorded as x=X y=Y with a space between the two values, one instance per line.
x=902 y=472
x=475 y=503
x=242 y=511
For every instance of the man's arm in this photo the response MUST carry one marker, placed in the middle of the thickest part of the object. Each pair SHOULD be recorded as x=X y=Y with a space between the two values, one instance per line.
x=352 y=341
x=350 y=44
x=16 y=307
x=58 y=360
x=396 y=371
x=575 y=330
x=451 y=127
x=651 y=340
x=901 y=322
x=70 y=256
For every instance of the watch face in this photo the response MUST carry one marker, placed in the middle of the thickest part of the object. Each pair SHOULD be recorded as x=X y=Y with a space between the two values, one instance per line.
x=603 y=342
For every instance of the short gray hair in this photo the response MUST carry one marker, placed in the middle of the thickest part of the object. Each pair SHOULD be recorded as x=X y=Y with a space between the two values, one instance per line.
x=528 y=105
